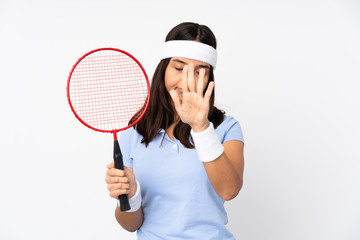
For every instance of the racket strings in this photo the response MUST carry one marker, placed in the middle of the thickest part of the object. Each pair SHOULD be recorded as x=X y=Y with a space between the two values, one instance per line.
x=107 y=89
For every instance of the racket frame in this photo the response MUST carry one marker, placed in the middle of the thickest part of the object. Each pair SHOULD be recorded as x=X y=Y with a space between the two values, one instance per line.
x=114 y=131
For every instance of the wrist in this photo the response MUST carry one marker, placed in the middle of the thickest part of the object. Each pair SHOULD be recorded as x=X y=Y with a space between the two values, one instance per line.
x=200 y=127
x=207 y=144
x=135 y=200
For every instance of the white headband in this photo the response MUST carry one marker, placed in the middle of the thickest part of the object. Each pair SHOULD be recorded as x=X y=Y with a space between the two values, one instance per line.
x=190 y=49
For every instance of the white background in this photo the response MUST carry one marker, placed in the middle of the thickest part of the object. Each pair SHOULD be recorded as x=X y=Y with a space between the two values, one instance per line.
x=287 y=70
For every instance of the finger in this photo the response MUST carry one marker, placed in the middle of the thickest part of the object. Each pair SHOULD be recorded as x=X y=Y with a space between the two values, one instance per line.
x=200 y=84
x=184 y=79
x=118 y=186
x=191 y=80
x=129 y=172
x=129 y=169
x=116 y=193
x=113 y=172
x=111 y=165
x=111 y=180
x=209 y=91
x=175 y=97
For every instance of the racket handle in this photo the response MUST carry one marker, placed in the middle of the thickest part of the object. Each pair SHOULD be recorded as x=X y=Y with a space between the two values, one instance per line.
x=119 y=164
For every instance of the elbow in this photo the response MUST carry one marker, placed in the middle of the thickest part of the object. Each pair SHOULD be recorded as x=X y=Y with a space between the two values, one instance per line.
x=230 y=195
x=232 y=192
x=131 y=229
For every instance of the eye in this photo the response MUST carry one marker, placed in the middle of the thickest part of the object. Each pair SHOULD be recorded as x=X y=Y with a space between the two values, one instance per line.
x=179 y=69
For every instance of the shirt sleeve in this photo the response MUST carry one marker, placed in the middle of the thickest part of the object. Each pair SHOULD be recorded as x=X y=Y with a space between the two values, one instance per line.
x=231 y=130
x=125 y=147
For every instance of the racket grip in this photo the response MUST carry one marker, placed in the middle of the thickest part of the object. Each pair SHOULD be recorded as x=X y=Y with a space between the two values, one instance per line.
x=119 y=164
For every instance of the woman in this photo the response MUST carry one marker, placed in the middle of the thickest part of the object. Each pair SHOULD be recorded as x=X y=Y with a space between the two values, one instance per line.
x=184 y=158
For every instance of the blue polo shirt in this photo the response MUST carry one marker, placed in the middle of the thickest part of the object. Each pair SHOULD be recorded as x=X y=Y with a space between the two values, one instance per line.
x=178 y=199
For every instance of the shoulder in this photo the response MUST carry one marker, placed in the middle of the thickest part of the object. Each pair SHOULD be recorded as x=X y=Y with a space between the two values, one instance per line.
x=128 y=132
x=229 y=129
x=129 y=136
x=228 y=122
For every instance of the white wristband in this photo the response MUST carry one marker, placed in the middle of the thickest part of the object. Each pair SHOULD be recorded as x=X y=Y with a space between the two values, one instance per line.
x=207 y=144
x=135 y=201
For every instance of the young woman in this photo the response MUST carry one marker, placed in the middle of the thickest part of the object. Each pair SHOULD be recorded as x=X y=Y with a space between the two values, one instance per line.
x=184 y=158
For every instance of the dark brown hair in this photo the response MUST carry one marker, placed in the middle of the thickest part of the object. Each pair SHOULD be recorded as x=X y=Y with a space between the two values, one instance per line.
x=160 y=112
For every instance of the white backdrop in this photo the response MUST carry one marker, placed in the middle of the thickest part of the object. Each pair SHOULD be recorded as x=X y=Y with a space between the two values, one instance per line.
x=287 y=70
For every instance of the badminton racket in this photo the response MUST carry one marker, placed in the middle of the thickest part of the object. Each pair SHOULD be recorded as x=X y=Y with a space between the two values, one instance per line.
x=108 y=91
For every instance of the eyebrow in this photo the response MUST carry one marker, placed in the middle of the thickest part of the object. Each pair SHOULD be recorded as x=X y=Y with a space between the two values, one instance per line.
x=201 y=66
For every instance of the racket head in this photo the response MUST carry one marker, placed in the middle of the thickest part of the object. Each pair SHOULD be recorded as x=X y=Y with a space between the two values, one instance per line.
x=108 y=90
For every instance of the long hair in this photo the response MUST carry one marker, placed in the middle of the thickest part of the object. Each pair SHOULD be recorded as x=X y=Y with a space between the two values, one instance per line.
x=160 y=112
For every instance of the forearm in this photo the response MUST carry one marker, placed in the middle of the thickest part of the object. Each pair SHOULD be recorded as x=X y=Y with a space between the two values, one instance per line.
x=224 y=174
x=224 y=177
x=130 y=221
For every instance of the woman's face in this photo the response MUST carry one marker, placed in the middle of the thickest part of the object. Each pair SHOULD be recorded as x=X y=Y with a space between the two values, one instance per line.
x=174 y=70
